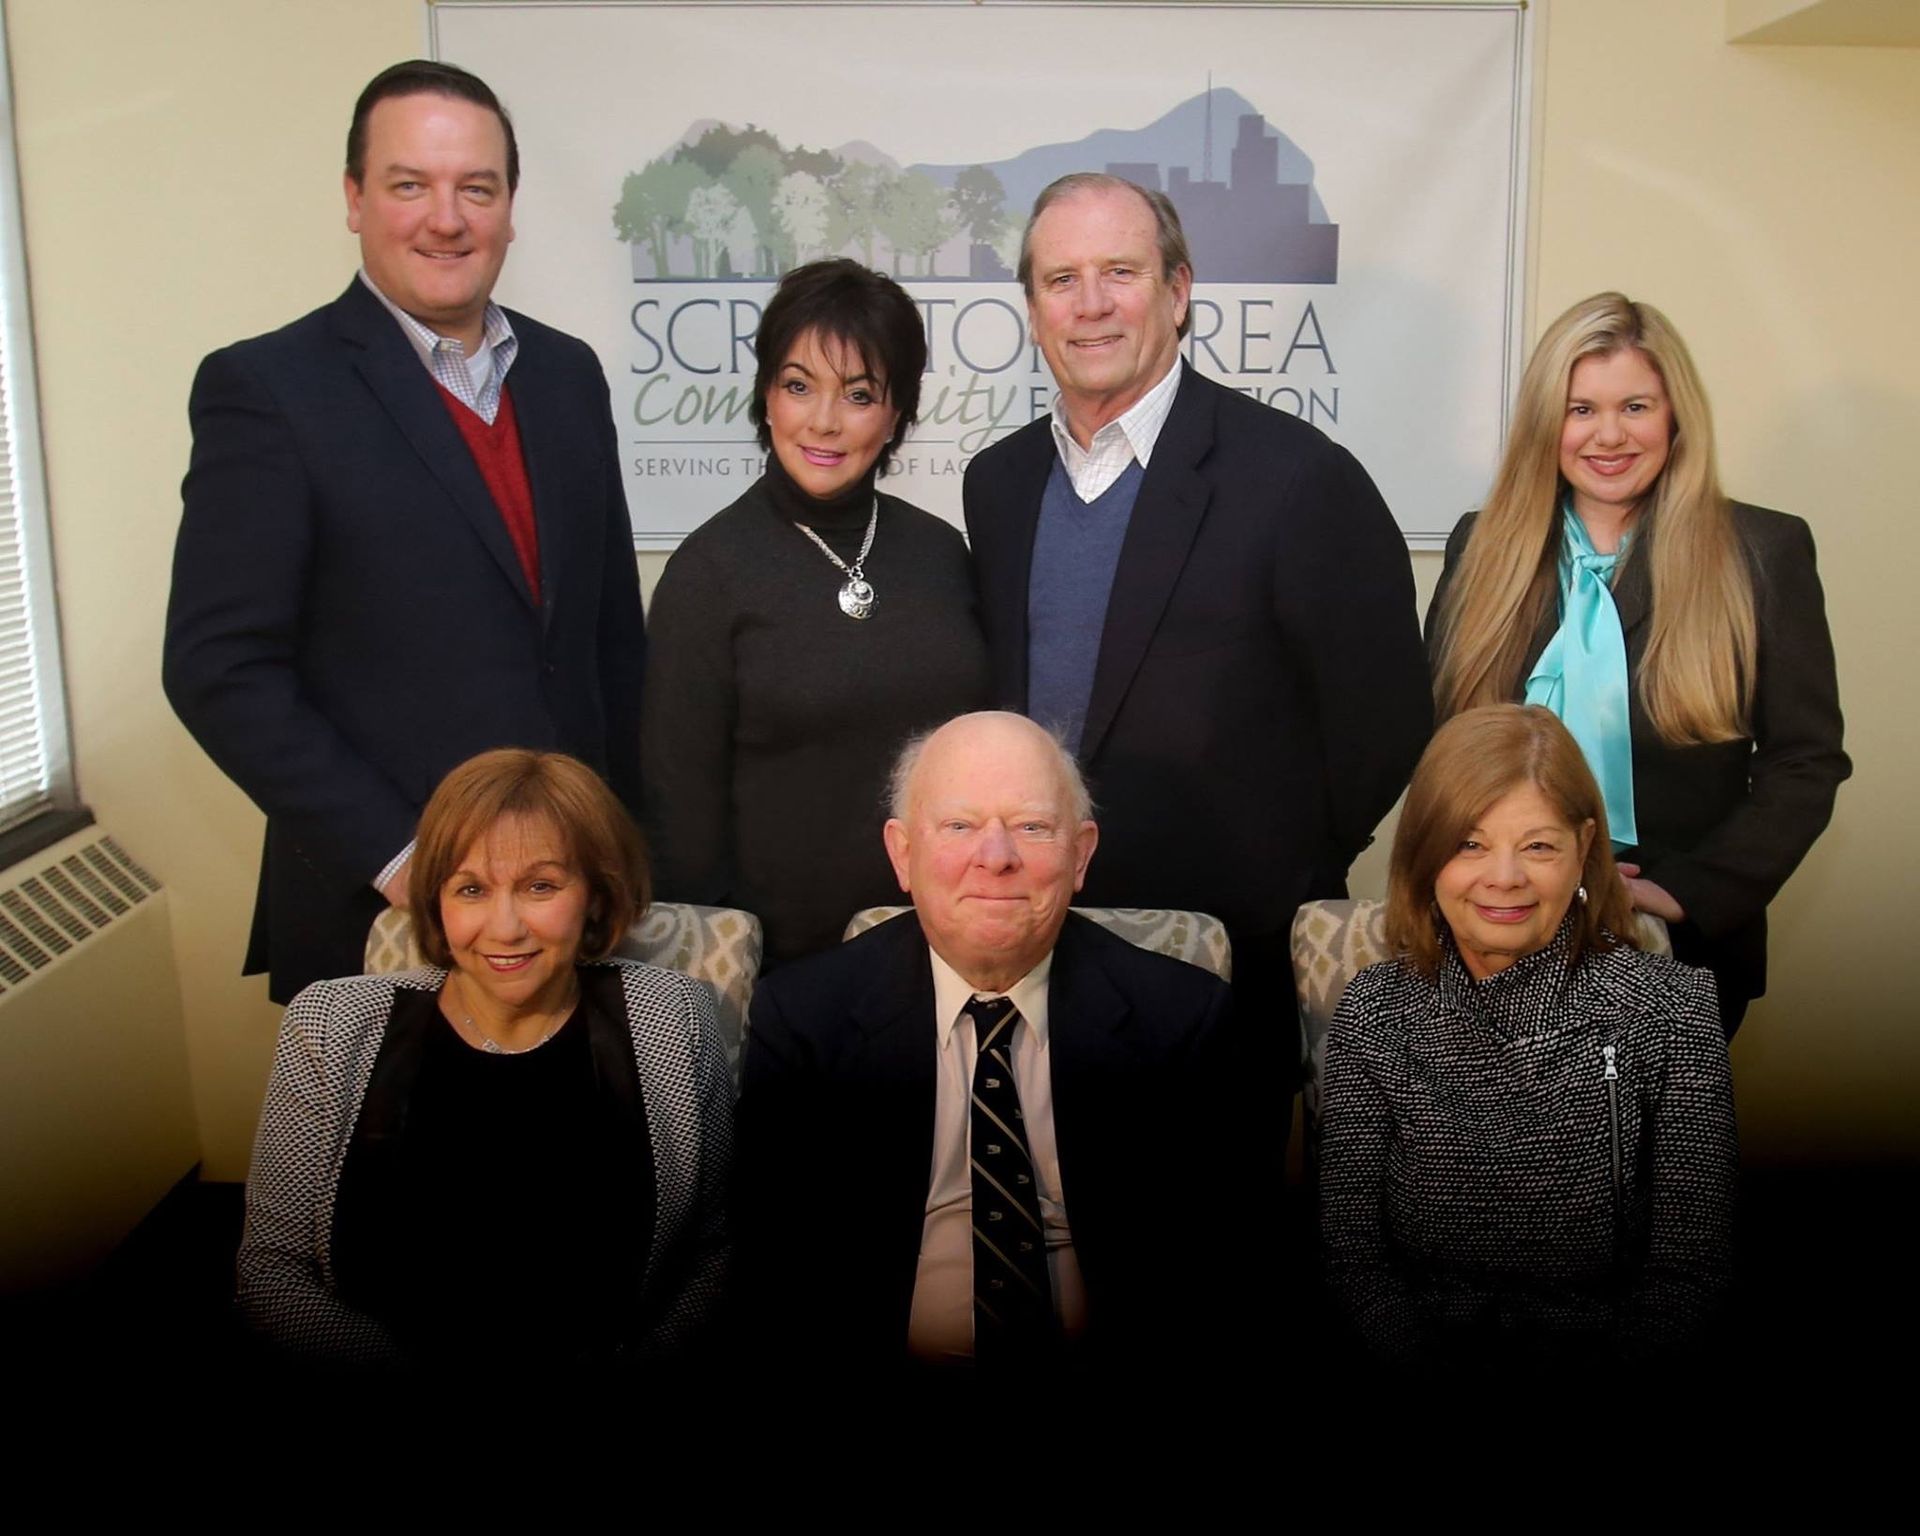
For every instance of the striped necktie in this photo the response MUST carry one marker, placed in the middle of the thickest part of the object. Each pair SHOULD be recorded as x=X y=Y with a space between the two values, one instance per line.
x=1012 y=1301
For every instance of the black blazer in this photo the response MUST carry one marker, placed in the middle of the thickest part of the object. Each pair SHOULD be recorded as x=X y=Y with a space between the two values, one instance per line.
x=1261 y=693
x=349 y=619
x=836 y=1146
x=1723 y=826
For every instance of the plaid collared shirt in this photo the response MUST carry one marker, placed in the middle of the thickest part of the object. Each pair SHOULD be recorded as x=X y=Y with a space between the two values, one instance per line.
x=1117 y=444
x=474 y=381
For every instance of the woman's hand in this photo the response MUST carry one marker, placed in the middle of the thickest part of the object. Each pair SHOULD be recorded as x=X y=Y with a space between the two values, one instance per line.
x=1648 y=897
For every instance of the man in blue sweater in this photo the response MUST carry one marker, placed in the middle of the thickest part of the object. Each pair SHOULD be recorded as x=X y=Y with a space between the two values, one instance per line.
x=1206 y=596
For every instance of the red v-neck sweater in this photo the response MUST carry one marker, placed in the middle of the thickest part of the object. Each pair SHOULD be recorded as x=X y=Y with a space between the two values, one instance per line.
x=496 y=451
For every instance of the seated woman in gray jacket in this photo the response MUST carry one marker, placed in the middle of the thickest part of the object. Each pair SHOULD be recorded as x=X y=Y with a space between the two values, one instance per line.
x=1528 y=1148
x=514 y=1159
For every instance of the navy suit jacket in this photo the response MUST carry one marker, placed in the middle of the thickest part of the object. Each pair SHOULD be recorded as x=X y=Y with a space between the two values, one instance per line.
x=835 y=1147
x=1261 y=692
x=349 y=619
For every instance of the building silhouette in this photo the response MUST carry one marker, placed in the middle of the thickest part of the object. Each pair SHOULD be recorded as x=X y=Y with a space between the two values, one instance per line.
x=1253 y=228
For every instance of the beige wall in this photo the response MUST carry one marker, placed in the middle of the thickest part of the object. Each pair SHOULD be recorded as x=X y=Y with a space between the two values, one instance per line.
x=180 y=165
x=1768 y=200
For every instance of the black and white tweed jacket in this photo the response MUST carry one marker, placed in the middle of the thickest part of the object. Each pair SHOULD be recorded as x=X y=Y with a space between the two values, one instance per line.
x=329 y=1040
x=1466 y=1164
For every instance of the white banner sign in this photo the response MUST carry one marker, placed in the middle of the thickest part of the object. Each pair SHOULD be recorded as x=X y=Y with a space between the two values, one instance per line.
x=1351 y=180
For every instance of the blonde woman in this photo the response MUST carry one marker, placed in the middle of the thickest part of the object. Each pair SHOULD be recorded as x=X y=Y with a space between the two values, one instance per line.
x=1681 y=636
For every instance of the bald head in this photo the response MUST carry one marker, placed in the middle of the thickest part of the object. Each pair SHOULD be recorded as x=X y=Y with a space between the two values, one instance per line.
x=900 y=780
x=990 y=836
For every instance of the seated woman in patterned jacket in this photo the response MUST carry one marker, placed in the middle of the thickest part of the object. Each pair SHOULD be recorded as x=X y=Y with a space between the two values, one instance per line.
x=517 y=1162
x=1528 y=1146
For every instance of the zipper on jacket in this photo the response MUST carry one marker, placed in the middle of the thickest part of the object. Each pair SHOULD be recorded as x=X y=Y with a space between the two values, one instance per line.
x=1610 y=1073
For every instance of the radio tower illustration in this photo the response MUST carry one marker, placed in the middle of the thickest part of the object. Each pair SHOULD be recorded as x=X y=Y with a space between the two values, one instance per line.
x=1206 y=142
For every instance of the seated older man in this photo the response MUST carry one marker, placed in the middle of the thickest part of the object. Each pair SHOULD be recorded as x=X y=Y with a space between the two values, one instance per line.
x=988 y=1132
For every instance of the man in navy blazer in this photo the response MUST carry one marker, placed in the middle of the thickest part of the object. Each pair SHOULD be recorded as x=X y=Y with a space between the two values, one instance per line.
x=1208 y=596
x=404 y=539
x=883 y=1211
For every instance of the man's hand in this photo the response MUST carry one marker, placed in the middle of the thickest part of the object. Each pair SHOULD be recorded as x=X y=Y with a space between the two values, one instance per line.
x=1648 y=897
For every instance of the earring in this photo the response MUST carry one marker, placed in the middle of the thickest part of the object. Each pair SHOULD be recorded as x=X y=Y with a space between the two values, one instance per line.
x=1582 y=894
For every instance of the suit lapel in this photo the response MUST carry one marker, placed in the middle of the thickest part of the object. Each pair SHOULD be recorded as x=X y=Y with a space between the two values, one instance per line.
x=1166 y=516
x=540 y=448
x=1633 y=594
x=1004 y=585
x=387 y=363
x=894 y=1021
x=1088 y=1021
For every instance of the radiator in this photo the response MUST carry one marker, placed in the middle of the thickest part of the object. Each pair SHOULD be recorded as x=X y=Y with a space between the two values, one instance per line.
x=96 y=1108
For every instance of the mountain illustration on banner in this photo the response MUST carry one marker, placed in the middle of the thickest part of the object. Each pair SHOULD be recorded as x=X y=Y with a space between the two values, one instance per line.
x=735 y=204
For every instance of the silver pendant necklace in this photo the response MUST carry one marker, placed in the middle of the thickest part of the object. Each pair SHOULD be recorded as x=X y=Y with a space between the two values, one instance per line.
x=494 y=1048
x=856 y=597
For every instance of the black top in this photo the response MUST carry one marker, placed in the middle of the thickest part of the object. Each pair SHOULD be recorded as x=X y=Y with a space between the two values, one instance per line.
x=500 y=1215
x=772 y=718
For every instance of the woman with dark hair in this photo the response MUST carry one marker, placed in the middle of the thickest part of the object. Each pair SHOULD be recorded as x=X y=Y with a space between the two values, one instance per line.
x=1527 y=1140
x=1681 y=636
x=799 y=636
x=514 y=1159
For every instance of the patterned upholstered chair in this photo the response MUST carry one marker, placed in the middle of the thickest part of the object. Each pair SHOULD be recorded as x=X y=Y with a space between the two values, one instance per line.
x=720 y=946
x=1190 y=936
x=1332 y=941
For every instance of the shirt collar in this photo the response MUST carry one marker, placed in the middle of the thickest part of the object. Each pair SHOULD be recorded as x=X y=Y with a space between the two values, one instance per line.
x=497 y=343
x=951 y=993
x=1139 y=424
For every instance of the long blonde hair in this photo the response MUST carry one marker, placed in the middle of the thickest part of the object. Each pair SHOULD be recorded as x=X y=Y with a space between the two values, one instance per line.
x=1696 y=679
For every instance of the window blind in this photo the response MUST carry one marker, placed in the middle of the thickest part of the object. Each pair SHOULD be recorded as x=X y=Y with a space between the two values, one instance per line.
x=35 y=773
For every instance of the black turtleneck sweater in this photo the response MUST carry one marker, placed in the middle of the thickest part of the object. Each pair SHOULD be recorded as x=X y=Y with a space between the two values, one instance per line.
x=772 y=718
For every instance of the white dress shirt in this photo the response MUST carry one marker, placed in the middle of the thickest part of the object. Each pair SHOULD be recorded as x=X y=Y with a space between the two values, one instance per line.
x=1129 y=436
x=941 y=1325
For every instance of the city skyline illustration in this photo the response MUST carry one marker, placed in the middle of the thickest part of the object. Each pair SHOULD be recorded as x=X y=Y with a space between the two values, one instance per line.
x=735 y=204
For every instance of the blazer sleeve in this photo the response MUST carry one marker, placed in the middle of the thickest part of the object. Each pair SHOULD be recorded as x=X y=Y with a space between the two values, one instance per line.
x=1730 y=875
x=1355 y=580
x=1456 y=547
x=696 y=1291
x=687 y=739
x=1694 y=1176
x=233 y=633
x=782 y=1095
x=622 y=628
x=1356 y=1131
x=284 y=1292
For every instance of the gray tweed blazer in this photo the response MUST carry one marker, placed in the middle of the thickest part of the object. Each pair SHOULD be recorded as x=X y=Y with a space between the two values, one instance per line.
x=329 y=1040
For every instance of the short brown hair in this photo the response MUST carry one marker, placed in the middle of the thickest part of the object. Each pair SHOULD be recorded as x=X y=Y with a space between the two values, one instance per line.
x=1474 y=759
x=863 y=312
x=425 y=77
x=602 y=842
